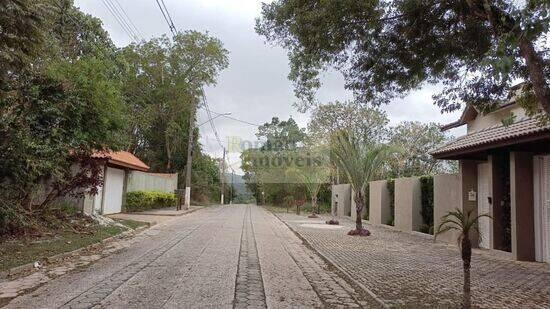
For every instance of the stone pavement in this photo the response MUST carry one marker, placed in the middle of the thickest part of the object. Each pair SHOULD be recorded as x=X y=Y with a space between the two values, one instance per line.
x=218 y=257
x=408 y=270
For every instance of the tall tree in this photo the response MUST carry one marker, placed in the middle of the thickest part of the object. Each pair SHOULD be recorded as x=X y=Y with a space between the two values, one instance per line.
x=416 y=140
x=281 y=135
x=55 y=112
x=162 y=86
x=367 y=123
x=475 y=48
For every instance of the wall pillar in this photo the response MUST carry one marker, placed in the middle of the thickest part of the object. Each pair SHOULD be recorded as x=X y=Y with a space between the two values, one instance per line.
x=408 y=204
x=341 y=200
x=379 y=202
x=521 y=206
x=468 y=183
x=446 y=198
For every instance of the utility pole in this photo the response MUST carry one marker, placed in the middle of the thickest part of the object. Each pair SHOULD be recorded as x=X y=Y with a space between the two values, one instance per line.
x=222 y=177
x=188 y=166
x=231 y=197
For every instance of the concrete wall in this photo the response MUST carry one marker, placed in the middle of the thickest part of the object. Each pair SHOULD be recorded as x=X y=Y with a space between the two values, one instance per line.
x=341 y=200
x=379 y=202
x=141 y=181
x=408 y=204
x=446 y=198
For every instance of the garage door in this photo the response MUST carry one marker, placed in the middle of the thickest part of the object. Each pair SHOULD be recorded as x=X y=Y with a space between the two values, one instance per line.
x=114 y=187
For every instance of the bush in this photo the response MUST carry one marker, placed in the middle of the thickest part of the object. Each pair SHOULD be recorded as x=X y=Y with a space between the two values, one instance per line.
x=427 y=192
x=391 y=189
x=145 y=200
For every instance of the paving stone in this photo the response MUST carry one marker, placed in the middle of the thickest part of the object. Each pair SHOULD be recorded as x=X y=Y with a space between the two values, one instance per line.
x=407 y=270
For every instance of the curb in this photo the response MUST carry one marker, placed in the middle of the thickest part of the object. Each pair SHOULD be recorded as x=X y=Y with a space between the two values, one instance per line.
x=54 y=258
x=344 y=272
x=163 y=215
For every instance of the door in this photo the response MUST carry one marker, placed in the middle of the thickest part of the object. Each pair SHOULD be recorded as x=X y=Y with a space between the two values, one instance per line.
x=483 y=206
x=114 y=187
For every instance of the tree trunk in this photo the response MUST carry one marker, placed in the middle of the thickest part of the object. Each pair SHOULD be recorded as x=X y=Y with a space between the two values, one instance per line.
x=535 y=67
x=466 y=259
x=359 y=205
x=314 y=205
x=168 y=153
x=503 y=23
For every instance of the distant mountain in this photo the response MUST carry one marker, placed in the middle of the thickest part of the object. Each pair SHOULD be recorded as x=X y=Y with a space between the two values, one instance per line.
x=239 y=185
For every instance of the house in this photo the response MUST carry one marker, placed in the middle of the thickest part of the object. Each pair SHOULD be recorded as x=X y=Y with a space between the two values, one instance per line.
x=504 y=162
x=116 y=170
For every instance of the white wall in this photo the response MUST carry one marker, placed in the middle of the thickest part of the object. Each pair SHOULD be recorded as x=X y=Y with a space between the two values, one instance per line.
x=141 y=181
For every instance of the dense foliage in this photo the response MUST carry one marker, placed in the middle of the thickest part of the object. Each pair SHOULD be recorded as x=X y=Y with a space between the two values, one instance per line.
x=416 y=140
x=427 y=196
x=60 y=101
x=145 y=200
x=67 y=92
x=477 y=49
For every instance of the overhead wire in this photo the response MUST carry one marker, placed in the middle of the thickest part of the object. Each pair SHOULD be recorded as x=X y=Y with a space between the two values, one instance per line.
x=114 y=11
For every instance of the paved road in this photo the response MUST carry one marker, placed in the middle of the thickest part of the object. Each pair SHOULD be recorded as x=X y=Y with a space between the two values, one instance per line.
x=237 y=256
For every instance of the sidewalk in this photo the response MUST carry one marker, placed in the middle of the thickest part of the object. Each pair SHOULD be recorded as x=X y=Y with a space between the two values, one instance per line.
x=408 y=270
x=154 y=216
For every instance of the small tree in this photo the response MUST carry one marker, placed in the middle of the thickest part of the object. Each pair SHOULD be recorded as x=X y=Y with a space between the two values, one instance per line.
x=361 y=163
x=467 y=225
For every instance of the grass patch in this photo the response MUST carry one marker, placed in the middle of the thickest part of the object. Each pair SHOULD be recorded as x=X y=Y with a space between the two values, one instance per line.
x=16 y=252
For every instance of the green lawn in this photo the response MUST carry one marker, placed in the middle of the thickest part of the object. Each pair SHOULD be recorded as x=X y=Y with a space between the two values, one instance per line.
x=19 y=252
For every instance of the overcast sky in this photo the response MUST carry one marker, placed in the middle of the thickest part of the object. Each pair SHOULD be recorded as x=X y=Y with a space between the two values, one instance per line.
x=255 y=87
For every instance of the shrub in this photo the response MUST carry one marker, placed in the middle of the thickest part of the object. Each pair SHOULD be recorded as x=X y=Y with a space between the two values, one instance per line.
x=427 y=211
x=144 y=200
x=367 y=203
x=391 y=189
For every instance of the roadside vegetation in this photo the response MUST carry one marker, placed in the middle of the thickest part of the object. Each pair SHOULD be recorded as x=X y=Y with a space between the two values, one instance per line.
x=66 y=92
x=78 y=233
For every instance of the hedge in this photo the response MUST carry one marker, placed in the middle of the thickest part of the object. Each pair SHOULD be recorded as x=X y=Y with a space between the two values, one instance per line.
x=145 y=200
x=391 y=190
x=427 y=211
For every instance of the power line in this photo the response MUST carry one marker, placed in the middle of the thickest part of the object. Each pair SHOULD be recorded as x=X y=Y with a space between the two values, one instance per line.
x=235 y=119
x=167 y=17
x=210 y=119
x=124 y=21
x=130 y=20
x=120 y=20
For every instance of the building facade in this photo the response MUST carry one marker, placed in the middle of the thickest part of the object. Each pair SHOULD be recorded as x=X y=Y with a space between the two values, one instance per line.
x=504 y=164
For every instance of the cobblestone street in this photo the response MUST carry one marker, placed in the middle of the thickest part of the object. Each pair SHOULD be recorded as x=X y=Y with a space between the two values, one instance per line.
x=219 y=257
x=408 y=270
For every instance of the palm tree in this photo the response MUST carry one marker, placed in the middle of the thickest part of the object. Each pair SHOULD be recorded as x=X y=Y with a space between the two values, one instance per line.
x=361 y=163
x=467 y=225
x=313 y=178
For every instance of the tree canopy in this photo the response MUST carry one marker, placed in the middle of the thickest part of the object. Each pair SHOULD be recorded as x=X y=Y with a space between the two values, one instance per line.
x=368 y=124
x=416 y=140
x=476 y=49
x=162 y=86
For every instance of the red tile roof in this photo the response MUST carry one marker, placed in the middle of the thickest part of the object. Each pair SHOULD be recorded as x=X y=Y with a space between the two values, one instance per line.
x=492 y=135
x=123 y=159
